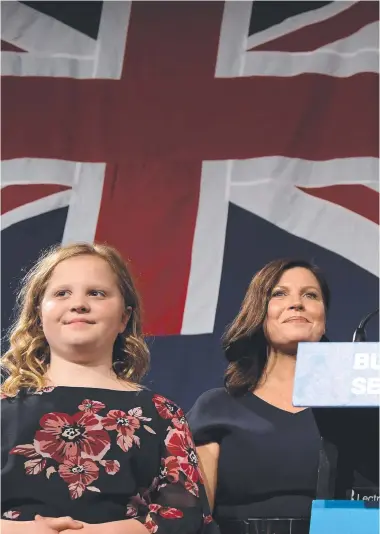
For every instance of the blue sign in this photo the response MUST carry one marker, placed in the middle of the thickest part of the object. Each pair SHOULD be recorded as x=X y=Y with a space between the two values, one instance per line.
x=337 y=374
x=344 y=517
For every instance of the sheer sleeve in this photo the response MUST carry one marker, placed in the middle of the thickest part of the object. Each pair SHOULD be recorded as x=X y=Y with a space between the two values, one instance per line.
x=176 y=501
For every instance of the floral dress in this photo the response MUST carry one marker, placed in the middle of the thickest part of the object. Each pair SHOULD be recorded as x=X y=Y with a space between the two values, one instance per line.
x=101 y=455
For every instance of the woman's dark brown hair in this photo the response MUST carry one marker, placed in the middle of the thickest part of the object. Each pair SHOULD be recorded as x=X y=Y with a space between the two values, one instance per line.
x=244 y=342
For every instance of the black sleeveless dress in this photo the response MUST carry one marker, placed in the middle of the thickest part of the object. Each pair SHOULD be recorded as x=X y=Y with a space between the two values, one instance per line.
x=269 y=459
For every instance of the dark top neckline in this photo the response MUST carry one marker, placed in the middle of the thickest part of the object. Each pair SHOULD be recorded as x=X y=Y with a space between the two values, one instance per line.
x=271 y=406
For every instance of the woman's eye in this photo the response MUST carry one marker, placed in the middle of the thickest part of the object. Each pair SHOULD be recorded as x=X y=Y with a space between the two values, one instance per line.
x=312 y=295
x=278 y=293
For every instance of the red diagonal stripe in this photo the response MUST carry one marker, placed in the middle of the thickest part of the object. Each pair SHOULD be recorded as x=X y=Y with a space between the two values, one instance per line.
x=13 y=196
x=8 y=47
x=355 y=197
x=314 y=36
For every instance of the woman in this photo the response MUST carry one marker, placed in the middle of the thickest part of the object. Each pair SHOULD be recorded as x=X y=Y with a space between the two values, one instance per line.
x=84 y=446
x=258 y=452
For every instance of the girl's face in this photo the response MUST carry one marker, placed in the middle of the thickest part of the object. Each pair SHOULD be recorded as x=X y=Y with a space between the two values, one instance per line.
x=82 y=308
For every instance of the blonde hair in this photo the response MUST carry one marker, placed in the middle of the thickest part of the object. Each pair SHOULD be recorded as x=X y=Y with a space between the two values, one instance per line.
x=27 y=359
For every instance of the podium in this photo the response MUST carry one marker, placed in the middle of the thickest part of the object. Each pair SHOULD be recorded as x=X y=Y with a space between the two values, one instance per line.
x=338 y=376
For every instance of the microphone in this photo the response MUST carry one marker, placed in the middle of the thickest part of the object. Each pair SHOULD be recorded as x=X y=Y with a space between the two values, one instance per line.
x=360 y=333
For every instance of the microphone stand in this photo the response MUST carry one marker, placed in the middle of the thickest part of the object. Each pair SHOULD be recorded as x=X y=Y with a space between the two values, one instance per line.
x=360 y=333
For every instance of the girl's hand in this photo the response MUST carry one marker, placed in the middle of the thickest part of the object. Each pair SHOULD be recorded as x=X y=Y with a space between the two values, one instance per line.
x=58 y=524
x=40 y=525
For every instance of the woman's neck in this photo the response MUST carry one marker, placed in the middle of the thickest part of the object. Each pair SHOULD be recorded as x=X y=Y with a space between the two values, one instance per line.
x=280 y=367
x=277 y=382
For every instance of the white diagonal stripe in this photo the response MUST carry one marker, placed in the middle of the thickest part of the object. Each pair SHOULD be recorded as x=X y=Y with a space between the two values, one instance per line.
x=35 y=208
x=34 y=31
x=351 y=55
x=51 y=56
x=298 y=21
x=326 y=224
x=84 y=198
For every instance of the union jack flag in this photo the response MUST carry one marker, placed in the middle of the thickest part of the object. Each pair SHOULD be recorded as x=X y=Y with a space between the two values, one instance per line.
x=202 y=139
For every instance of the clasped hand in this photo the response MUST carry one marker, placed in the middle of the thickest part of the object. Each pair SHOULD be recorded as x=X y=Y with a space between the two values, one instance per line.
x=52 y=525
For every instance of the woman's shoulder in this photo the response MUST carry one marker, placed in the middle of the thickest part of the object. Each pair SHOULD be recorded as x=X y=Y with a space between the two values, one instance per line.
x=212 y=398
x=211 y=416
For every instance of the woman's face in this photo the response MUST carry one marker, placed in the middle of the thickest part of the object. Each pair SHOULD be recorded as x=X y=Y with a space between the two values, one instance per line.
x=296 y=310
x=82 y=308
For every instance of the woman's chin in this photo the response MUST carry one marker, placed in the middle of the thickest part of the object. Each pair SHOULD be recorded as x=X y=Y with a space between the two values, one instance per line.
x=300 y=339
x=290 y=346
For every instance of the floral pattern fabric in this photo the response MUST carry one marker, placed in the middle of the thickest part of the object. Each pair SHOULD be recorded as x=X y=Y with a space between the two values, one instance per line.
x=141 y=451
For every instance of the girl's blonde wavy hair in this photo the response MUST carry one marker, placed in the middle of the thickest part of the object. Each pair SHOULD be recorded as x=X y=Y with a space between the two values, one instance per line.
x=28 y=357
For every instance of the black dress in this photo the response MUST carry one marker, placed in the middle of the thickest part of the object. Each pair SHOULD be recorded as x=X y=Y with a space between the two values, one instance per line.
x=268 y=461
x=101 y=455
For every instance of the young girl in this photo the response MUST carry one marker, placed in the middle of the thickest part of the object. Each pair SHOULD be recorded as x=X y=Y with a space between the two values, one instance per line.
x=84 y=446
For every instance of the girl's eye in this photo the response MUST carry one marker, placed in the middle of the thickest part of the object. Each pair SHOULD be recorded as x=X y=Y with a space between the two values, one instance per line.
x=61 y=293
x=97 y=293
